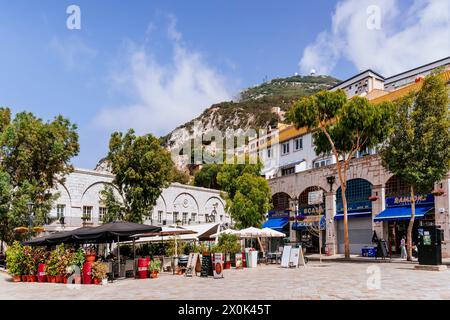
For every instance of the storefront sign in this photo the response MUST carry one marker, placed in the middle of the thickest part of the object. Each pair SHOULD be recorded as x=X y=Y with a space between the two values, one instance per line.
x=311 y=210
x=218 y=265
x=355 y=206
x=279 y=214
x=406 y=201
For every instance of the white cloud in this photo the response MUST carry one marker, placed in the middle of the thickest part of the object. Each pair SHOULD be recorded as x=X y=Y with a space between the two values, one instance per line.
x=408 y=38
x=165 y=95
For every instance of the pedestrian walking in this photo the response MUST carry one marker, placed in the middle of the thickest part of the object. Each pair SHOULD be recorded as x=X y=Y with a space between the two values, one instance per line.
x=403 y=254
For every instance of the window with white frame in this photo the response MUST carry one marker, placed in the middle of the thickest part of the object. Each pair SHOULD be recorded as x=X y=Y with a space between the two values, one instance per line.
x=285 y=148
x=321 y=163
x=193 y=217
x=160 y=213
x=102 y=213
x=87 y=213
x=298 y=144
x=175 y=217
x=60 y=211
x=185 y=218
x=269 y=152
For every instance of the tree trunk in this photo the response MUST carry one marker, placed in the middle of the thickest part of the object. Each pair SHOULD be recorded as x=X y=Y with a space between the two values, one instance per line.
x=346 y=239
x=410 y=227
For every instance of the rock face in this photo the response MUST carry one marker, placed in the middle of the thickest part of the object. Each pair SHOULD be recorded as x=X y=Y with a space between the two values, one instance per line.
x=257 y=108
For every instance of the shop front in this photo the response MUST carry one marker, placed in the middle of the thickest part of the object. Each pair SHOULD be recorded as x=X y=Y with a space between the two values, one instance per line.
x=359 y=213
x=396 y=217
x=278 y=221
x=309 y=228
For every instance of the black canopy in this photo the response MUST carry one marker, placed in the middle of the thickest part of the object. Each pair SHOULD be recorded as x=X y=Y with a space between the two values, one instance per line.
x=113 y=231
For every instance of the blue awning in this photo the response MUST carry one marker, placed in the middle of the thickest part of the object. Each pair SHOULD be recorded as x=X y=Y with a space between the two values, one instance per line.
x=362 y=214
x=276 y=224
x=402 y=213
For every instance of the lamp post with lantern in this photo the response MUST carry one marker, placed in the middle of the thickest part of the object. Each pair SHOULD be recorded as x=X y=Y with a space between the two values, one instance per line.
x=30 y=205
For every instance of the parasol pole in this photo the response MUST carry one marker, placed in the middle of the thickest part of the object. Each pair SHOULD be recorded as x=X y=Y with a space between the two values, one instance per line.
x=118 y=253
x=134 y=258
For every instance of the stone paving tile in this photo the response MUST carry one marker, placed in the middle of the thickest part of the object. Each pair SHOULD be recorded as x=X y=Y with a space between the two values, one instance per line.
x=333 y=281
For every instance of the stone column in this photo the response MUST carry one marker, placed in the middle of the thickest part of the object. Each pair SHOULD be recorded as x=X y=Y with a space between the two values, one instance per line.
x=292 y=233
x=331 y=229
x=377 y=207
x=442 y=218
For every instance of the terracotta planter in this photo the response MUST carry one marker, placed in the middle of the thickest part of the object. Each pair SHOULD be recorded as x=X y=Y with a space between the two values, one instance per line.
x=16 y=278
x=32 y=278
x=227 y=265
x=51 y=279
x=65 y=279
x=90 y=257
x=153 y=274
x=97 y=281
x=59 y=279
x=24 y=278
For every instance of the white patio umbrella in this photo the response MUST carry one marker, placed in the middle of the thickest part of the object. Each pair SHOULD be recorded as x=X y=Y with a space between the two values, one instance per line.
x=273 y=233
x=227 y=231
x=252 y=232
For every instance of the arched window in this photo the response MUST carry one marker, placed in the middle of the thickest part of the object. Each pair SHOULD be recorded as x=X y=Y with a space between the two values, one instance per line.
x=303 y=198
x=396 y=187
x=357 y=190
x=280 y=201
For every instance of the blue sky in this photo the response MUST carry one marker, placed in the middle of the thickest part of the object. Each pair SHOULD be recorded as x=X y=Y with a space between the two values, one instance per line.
x=153 y=65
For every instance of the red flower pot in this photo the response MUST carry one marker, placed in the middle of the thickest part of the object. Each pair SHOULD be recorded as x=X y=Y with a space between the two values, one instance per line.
x=24 y=278
x=153 y=274
x=51 y=279
x=97 y=281
x=17 y=278
x=59 y=279
x=90 y=257
x=227 y=265
x=32 y=278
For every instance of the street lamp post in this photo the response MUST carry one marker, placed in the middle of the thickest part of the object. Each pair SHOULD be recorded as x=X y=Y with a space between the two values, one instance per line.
x=30 y=206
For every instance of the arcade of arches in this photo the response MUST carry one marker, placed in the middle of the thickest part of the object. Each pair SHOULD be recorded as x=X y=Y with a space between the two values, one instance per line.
x=370 y=191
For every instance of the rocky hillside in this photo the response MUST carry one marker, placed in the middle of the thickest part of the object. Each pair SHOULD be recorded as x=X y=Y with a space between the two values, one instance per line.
x=258 y=107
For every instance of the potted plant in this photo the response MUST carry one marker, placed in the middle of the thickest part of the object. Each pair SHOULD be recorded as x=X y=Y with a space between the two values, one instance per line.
x=14 y=261
x=64 y=266
x=438 y=192
x=99 y=272
x=90 y=254
x=76 y=265
x=40 y=256
x=228 y=244
x=154 y=267
x=51 y=267
x=30 y=267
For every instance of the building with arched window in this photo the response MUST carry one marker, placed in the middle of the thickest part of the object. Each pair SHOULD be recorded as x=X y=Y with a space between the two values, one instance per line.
x=80 y=203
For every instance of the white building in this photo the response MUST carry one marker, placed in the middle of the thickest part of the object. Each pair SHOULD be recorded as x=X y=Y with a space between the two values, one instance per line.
x=80 y=197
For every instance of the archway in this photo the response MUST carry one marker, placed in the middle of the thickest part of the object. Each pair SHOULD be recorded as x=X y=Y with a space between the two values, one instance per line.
x=281 y=201
x=359 y=209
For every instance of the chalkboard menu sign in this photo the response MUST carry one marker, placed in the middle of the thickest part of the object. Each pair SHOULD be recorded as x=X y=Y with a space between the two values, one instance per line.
x=207 y=269
x=382 y=250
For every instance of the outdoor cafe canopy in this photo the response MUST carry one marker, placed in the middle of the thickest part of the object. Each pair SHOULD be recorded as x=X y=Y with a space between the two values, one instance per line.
x=113 y=231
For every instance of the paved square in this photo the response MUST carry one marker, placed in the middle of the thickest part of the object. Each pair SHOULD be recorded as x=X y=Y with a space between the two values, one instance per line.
x=331 y=280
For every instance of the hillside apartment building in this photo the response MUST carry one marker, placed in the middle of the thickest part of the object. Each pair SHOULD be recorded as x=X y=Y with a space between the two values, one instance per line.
x=295 y=172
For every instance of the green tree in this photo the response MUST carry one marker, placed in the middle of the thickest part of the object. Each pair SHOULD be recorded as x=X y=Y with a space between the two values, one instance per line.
x=142 y=169
x=342 y=127
x=250 y=202
x=35 y=157
x=418 y=150
x=180 y=176
x=207 y=176
x=228 y=175
x=114 y=207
